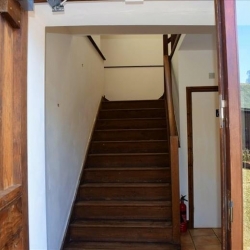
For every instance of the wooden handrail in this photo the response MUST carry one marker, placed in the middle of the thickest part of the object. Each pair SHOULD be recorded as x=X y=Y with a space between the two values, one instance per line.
x=173 y=150
x=169 y=98
x=174 y=45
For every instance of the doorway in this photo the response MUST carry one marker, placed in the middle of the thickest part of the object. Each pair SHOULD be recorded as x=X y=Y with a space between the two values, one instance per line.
x=203 y=157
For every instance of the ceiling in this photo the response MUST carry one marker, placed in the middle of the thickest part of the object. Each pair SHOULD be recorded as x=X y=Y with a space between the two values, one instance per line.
x=199 y=42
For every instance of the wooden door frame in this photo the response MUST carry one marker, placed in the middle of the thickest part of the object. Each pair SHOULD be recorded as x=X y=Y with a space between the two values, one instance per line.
x=230 y=133
x=189 y=91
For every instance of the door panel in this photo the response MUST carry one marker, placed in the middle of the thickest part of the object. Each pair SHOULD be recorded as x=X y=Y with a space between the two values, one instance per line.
x=243 y=41
x=206 y=160
x=230 y=133
x=13 y=135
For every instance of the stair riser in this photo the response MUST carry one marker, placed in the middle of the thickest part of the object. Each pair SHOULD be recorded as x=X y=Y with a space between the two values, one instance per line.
x=126 y=234
x=103 y=161
x=133 y=105
x=121 y=212
x=121 y=246
x=128 y=147
x=131 y=124
x=124 y=193
x=130 y=135
x=115 y=176
x=124 y=114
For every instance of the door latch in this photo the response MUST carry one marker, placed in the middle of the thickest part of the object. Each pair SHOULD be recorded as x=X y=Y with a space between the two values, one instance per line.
x=230 y=208
x=223 y=104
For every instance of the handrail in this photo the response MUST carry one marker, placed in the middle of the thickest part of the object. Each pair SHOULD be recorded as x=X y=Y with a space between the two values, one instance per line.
x=174 y=44
x=169 y=98
x=173 y=151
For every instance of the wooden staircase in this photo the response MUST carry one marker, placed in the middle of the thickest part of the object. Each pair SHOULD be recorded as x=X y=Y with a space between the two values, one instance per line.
x=124 y=200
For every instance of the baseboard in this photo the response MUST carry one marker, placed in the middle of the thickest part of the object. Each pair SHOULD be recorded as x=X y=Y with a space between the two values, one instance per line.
x=80 y=176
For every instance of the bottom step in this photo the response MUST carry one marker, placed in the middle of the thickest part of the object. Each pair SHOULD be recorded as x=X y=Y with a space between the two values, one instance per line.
x=121 y=231
x=120 y=246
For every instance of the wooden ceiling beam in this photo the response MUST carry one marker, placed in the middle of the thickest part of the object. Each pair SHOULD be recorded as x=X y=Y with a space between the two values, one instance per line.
x=11 y=11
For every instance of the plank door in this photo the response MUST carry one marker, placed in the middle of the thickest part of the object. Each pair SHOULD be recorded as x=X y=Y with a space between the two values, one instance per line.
x=230 y=132
x=13 y=129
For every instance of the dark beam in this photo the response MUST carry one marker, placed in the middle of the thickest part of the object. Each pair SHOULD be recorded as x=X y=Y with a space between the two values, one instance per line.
x=11 y=11
x=165 y=45
x=96 y=47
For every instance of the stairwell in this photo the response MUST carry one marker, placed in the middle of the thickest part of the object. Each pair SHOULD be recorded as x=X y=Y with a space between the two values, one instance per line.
x=124 y=200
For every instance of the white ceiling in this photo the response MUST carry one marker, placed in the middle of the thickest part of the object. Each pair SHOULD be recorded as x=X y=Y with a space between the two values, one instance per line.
x=116 y=17
x=199 y=42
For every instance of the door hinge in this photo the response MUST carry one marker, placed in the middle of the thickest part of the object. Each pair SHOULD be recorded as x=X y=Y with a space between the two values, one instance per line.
x=230 y=208
x=223 y=104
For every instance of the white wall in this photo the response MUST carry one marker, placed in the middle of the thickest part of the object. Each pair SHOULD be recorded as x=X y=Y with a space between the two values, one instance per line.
x=74 y=87
x=206 y=164
x=133 y=83
x=36 y=136
x=193 y=70
x=175 y=81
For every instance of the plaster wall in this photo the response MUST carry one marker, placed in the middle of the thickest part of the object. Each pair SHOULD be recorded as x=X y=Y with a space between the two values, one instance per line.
x=193 y=70
x=130 y=82
x=73 y=90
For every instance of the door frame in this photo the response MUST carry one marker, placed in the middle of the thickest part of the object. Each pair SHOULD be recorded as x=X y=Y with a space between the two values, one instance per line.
x=189 y=91
x=230 y=132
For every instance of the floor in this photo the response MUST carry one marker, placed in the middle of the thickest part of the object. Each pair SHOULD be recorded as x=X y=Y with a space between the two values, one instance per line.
x=201 y=239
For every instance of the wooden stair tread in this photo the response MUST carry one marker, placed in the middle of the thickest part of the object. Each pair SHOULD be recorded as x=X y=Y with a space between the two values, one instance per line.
x=119 y=246
x=121 y=223
x=136 y=129
x=132 y=119
x=124 y=203
x=125 y=109
x=127 y=154
x=126 y=169
x=132 y=141
x=129 y=185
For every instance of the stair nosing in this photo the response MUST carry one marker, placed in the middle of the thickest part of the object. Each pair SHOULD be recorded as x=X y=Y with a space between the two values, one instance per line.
x=147 y=100
x=127 y=169
x=131 y=109
x=165 y=203
x=136 y=129
x=127 y=154
x=133 y=118
x=125 y=184
x=132 y=141
x=120 y=223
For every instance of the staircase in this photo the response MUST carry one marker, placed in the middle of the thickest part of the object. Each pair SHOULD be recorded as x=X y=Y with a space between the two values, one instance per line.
x=124 y=198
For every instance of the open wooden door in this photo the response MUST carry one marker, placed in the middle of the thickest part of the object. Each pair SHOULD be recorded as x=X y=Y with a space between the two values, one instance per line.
x=13 y=127
x=230 y=132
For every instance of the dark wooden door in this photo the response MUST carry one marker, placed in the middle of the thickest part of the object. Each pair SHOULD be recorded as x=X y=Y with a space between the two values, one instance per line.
x=13 y=128
x=231 y=154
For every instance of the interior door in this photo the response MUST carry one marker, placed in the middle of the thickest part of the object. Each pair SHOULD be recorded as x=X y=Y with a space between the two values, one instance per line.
x=206 y=160
x=13 y=127
x=230 y=132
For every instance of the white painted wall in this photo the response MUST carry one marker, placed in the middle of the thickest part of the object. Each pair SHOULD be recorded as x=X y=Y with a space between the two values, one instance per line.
x=74 y=87
x=175 y=81
x=206 y=164
x=97 y=39
x=193 y=70
x=36 y=135
x=133 y=83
